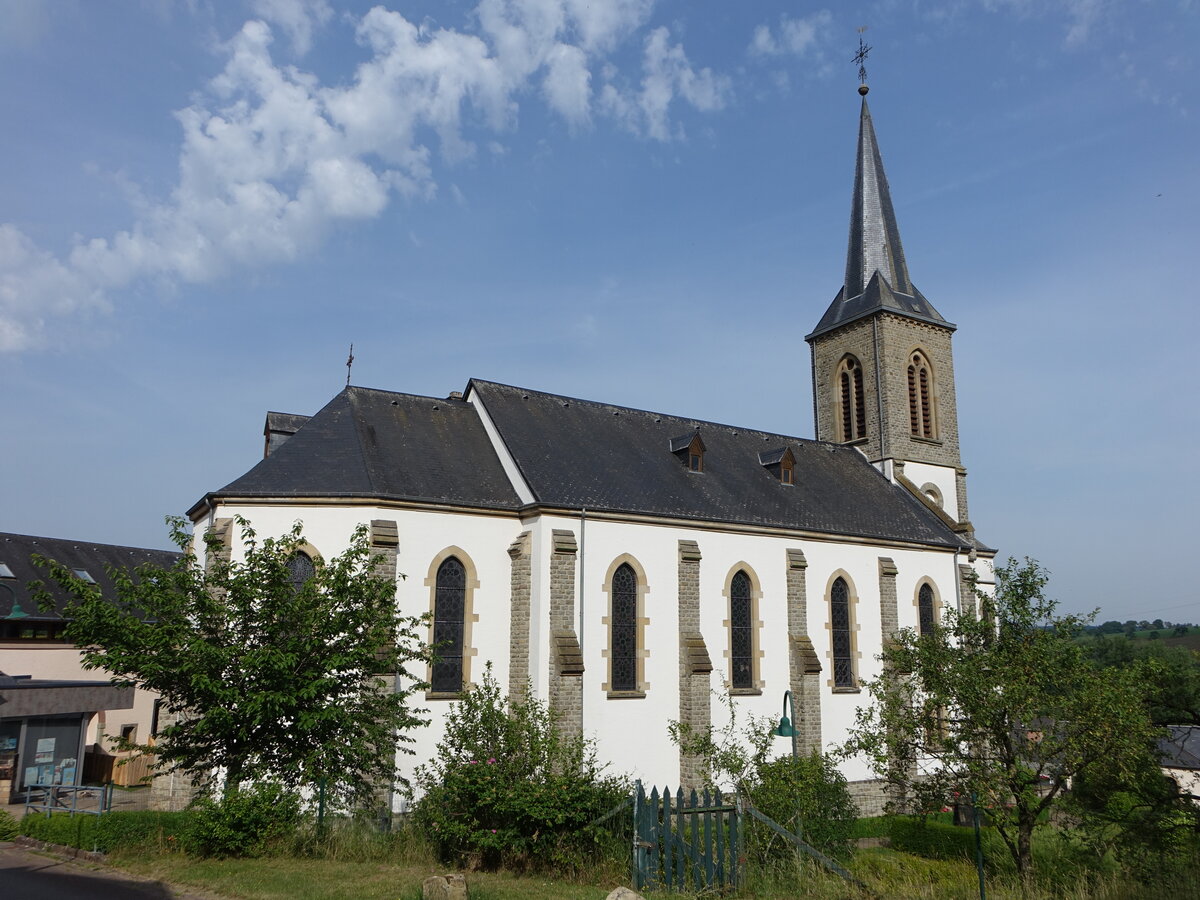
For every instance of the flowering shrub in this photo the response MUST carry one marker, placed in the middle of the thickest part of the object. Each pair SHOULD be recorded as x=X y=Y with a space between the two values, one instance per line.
x=507 y=789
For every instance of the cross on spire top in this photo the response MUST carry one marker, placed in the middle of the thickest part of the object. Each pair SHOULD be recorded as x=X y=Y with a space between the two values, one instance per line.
x=861 y=58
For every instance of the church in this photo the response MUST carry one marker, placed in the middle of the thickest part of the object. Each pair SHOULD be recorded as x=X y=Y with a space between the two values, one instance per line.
x=631 y=567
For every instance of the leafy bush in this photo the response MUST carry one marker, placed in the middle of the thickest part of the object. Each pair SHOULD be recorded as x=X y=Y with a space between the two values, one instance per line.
x=244 y=822
x=8 y=825
x=109 y=832
x=509 y=789
x=938 y=840
x=808 y=792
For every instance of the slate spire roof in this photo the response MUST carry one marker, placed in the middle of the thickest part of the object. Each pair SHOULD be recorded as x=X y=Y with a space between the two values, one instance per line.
x=876 y=271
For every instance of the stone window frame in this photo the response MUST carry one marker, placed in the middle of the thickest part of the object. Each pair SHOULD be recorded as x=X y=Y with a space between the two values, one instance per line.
x=922 y=395
x=756 y=626
x=308 y=550
x=851 y=426
x=937 y=601
x=470 y=617
x=855 y=654
x=642 y=621
x=934 y=494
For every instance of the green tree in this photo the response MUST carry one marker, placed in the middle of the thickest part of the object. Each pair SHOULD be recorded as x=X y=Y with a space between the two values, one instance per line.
x=1005 y=706
x=262 y=678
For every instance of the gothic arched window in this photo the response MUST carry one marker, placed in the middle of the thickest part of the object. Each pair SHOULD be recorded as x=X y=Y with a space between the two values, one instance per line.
x=741 y=632
x=840 y=626
x=852 y=418
x=449 y=616
x=623 y=630
x=925 y=612
x=920 y=397
x=300 y=569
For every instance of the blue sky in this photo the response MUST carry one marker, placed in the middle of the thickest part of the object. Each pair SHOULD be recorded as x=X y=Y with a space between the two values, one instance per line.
x=204 y=204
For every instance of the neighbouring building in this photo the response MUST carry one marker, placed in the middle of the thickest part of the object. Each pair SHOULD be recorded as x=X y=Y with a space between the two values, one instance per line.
x=624 y=564
x=46 y=694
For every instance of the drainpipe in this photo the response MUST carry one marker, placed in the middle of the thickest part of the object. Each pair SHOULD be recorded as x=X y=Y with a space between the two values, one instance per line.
x=582 y=589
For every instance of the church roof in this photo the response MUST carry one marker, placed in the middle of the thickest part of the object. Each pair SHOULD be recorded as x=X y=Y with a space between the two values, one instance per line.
x=380 y=444
x=579 y=453
x=876 y=271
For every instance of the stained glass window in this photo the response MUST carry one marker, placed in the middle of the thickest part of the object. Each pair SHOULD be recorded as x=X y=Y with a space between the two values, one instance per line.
x=741 y=632
x=301 y=569
x=925 y=618
x=839 y=620
x=449 y=614
x=623 y=630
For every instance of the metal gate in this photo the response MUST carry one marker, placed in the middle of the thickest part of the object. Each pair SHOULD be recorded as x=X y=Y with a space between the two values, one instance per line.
x=684 y=842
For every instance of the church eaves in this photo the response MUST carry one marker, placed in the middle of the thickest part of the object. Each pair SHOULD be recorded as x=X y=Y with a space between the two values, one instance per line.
x=876 y=271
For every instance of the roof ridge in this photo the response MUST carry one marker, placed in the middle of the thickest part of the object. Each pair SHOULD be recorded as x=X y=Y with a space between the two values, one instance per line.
x=5 y=535
x=650 y=412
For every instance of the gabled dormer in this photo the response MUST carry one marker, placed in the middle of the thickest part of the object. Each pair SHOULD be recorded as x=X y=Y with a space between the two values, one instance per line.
x=690 y=450
x=781 y=463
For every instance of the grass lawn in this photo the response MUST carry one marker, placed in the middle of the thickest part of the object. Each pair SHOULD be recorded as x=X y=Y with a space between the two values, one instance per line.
x=888 y=873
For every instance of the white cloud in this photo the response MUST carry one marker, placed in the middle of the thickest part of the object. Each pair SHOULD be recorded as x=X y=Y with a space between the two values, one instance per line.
x=297 y=18
x=667 y=74
x=271 y=158
x=799 y=37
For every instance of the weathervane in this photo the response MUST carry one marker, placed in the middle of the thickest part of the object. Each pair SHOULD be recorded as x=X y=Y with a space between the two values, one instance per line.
x=861 y=58
x=349 y=363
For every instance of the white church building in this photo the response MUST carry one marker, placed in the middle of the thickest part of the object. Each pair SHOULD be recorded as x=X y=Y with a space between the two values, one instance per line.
x=629 y=566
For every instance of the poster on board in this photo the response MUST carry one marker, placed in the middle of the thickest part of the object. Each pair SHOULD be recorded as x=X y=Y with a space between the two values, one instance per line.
x=45 y=751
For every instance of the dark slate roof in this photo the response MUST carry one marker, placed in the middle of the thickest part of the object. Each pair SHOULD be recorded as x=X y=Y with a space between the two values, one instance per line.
x=16 y=550
x=578 y=453
x=876 y=272
x=380 y=444
x=1181 y=748
x=287 y=423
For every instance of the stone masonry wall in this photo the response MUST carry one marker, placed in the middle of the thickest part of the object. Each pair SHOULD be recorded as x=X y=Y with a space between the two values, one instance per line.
x=804 y=667
x=520 y=621
x=566 y=690
x=695 y=667
x=174 y=791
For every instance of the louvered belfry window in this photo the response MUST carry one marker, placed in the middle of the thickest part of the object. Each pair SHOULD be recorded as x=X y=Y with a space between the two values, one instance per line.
x=449 y=615
x=852 y=407
x=741 y=632
x=925 y=618
x=839 y=619
x=920 y=397
x=623 y=630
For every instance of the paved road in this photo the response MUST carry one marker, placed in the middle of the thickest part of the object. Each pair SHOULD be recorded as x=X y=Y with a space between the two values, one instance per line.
x=25 y=875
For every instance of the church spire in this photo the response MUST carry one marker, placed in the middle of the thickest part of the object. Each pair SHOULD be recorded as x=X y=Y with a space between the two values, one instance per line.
x=876 y=271
x=874 y=244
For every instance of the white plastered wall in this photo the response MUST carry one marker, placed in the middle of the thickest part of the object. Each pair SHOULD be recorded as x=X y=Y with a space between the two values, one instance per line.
x=944 y=478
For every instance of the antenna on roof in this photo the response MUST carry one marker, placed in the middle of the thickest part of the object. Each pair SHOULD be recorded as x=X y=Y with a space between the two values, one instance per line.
x=861 y=58
x=349 y=364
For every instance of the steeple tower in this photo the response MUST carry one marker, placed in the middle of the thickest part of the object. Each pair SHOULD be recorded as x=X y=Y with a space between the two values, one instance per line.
x=883 y=371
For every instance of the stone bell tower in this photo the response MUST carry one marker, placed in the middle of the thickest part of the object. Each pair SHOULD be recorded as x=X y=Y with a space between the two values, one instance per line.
x=882 y=365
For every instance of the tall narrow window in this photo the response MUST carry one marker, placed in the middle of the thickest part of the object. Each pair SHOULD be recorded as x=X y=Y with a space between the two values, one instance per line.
x=925 y=618
x=852 y=417
x=623 y=630
x=449 y=612
x=741 y=632
x=300 y=567
x=920 y=397
x=839 y=620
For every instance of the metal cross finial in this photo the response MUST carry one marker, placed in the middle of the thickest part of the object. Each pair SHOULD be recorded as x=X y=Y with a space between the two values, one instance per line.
x=861 y=56
x=349 y=363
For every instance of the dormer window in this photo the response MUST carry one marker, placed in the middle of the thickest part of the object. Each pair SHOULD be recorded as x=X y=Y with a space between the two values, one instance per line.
x=781 y=463
x=690 y=450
